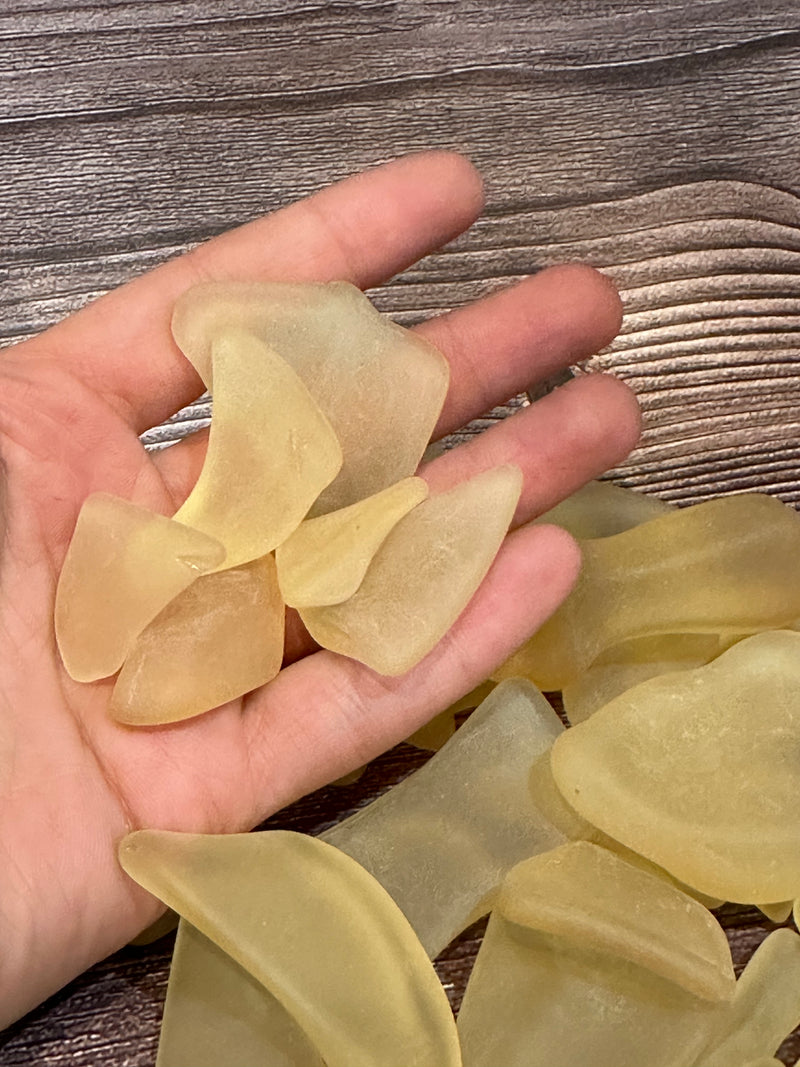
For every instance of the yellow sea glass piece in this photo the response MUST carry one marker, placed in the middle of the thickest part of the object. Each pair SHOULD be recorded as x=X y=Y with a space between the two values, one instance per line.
x=441 y=841
x=602 y=509
x=434 y=734
x=123 y=565
x=727 y=566
x=316 y=930
x=271 y=451
x=381 y=386
x=324 y=561
x=423 y=575
x=697 y=770
x=218 y=1015
x=777 y=912
x=629 y=664
x=587 y=960
x=220 y=639
x=765 y=1007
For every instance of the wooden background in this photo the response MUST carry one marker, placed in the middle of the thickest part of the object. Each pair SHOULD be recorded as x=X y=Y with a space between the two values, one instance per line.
x=658 y=140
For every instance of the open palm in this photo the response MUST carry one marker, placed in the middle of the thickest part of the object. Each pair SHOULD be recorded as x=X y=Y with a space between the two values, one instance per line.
x=72 y=403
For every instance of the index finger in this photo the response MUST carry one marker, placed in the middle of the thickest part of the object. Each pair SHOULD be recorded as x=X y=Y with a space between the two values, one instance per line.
x=363 y=230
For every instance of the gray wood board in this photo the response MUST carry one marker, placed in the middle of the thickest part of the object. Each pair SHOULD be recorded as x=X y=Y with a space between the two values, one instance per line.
x=657 y=141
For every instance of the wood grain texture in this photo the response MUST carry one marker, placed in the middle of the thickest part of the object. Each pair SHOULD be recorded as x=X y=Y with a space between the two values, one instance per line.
x=657 y=141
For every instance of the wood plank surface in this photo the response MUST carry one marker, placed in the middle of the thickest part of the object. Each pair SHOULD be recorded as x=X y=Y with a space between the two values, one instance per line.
x=658 y=141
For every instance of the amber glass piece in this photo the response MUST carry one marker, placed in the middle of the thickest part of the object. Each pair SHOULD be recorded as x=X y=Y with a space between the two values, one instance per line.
x=728 y=566
x=220 y=639
x=602 y=509
x=628 y=664
x=765 y=1007
x=271 y=451
x=697 y=770
x=316 y=930
x=123 y=565
x=441 y=841
x=441 y=728
x=218 y=1015
x=577 y=967
x=381 y=386
x=423 y=575
x=324 y=561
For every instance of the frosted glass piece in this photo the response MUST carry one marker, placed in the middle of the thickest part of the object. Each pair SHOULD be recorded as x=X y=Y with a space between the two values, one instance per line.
x=271 y=451
x=316 y=930
x=602 y=509
x=324 y=561
x=218 y=1015
x=381 y=386
x=123 y=565
x=220 y=639
x=441 y=841
x=697 y=770
x=423 y=575
x=727 y=566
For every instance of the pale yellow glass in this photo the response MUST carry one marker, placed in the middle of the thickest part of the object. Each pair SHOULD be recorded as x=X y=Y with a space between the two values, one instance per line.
x=727 y=566
x=441 y=841
x=423 y=575
x=765 y=1008
x=218 y=1015
x=316 y=930
x=602 y=509
x=325 y=559
x=577 y=967
x=220 y=639
x=271 y=451
x=381 y=386
x=697 y=771
x=123 y=565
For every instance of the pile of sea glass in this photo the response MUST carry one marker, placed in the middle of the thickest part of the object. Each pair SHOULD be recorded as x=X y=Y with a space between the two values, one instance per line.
x=598 y=850
x=307 y=498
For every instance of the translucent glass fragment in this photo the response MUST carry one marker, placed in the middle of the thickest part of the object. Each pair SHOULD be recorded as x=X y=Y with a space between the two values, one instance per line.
x=324 y=561
x=697 y=771
x=626 y=665
x=441 y=841
x=314 y=928
x=220 y=639
x=765 y=1007
x=727 y=566
x=381 y=386
x=602 y=509
x=423 y=575
x=577 y=969
x=123 y=565
x=218 y=1015
x=271 y=451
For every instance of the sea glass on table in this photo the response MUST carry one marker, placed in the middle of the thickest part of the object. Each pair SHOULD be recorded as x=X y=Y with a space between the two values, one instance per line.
x=587 y=959
x=220 y=639
x=123 y=565
x=382 y=387
x=697 y=771
x=441 y=841
x=727 y=566
x=325 y=559
x=316 y=930
x=271 y=451
x=602 y=509
x=423 y=575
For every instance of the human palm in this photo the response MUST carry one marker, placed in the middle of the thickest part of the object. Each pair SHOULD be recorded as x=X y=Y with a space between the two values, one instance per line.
x=72 y=403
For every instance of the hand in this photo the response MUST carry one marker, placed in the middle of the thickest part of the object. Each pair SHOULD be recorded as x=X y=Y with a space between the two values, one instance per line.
x=72 y=402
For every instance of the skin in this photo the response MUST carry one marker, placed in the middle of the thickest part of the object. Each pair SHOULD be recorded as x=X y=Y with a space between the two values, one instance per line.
x=72 y=402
